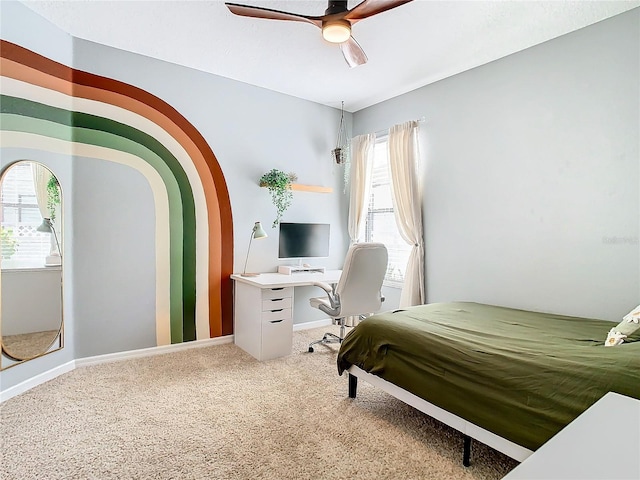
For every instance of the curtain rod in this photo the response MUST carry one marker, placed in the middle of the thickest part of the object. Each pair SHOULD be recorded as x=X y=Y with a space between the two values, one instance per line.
x=380 y=133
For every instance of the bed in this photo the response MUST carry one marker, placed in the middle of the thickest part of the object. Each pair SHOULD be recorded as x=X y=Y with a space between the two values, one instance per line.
x=509 y=378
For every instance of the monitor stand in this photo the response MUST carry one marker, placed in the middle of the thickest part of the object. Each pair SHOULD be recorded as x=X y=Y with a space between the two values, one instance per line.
x=292 y=269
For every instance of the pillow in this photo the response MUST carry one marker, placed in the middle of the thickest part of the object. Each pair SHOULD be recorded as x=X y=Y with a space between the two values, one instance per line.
x=629 y=324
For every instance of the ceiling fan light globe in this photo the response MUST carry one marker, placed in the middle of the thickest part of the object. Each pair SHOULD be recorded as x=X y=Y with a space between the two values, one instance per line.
x=336 y=32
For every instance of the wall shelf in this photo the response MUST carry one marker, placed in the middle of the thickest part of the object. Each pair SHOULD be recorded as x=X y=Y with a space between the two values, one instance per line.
x=310 y=188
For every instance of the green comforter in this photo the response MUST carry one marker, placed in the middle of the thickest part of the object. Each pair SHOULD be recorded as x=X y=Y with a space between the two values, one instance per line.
x=521 y=375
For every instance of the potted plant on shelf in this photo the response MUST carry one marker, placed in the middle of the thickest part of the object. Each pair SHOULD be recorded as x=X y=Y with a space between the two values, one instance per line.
x=279 y=185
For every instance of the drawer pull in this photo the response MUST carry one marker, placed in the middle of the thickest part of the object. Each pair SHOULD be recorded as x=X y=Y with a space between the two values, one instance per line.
x=277 y=299
x=278 y=310
x=278 y=288
x=276 y=321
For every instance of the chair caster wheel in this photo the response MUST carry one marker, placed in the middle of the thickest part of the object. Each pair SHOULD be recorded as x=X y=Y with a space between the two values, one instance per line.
x=310 y=349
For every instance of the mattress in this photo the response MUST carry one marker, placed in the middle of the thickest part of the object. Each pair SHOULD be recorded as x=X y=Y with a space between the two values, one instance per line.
x=521 y=375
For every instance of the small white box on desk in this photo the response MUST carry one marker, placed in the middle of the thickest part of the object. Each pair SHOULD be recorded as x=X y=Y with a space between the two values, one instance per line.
x=291 y=269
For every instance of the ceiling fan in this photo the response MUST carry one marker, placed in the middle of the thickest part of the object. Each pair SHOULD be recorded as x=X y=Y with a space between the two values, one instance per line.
x=335 y=24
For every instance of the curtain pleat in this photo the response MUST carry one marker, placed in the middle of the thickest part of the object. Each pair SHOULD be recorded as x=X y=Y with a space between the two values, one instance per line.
x=361 y=168
x=360 y=176
x=407 y=205
x=41 y=177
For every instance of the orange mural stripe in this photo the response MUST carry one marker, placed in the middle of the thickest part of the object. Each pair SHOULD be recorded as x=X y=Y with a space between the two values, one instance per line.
x=28 y=66
x=18 y=71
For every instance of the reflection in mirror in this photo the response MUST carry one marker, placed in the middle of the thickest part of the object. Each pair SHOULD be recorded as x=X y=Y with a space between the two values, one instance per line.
x=31 y=323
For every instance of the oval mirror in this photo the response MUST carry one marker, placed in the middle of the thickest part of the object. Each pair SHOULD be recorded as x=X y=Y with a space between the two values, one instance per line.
x=31 y=322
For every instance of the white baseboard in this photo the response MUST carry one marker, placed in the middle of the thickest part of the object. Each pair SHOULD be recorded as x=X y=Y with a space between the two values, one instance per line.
x=37 y=380
x=151 y=351
x=110 y=357
x=315 y=324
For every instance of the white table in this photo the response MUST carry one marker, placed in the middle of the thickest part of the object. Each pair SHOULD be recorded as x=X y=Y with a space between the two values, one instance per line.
x=603 y=443
x=263 y=310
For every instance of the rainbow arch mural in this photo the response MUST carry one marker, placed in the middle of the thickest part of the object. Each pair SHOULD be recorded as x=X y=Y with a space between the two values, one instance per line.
x=49 y=106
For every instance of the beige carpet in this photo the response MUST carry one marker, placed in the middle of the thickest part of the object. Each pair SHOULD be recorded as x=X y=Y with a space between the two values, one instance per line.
x=216 y=413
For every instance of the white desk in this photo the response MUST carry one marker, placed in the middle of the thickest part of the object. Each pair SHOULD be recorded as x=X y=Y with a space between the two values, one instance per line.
x=263 y=310
x=601 y=444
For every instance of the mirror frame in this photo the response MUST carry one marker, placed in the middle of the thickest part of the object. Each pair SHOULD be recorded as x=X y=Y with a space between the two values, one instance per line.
x=7 y=359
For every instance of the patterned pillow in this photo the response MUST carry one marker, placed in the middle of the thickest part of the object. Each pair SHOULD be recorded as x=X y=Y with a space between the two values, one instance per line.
x=629 y=324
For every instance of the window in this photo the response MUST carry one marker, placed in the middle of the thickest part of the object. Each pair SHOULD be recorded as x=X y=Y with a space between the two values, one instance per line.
x=22 y=245
x=381 y=223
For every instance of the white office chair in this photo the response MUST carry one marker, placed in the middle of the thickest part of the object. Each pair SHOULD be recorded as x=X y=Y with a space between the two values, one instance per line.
x=358 y=292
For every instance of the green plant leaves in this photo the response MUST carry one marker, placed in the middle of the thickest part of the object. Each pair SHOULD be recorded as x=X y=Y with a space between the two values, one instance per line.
x=279 y=185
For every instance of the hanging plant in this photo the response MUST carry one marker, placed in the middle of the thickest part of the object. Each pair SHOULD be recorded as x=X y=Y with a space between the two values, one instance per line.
x=340 y=154
x=53 y=196
x=279 y=185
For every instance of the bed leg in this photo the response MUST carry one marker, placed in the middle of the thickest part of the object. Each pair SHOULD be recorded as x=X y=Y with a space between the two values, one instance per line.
x=466 y=456
x=353 y=385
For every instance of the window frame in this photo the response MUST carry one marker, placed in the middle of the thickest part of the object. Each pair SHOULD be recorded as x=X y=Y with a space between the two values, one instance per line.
x=372 y=212
x=18 y=209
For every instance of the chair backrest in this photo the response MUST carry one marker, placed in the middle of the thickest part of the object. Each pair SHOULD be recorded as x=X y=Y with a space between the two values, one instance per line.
x=360 y=284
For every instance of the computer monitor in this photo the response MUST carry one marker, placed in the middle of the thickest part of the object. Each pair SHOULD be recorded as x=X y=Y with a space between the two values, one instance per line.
x=303 y=240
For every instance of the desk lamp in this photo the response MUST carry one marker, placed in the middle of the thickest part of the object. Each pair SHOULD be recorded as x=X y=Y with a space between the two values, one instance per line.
x=54 y=258
x=257 y=232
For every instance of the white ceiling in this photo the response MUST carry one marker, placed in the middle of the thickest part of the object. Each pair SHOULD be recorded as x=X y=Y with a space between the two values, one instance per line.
x=408 y=47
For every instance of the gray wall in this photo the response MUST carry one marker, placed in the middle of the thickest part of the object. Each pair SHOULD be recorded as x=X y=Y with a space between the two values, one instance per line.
x=115 y=256
x=532 y=180
x=20 y=25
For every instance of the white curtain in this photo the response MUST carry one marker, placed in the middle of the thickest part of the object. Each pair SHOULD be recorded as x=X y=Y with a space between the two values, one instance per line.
x=361 y=168
x=407 y=205
x=41 y=177
x=360 y=176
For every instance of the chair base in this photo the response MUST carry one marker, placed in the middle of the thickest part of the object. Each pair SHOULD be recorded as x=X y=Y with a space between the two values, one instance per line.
x=327 y=338
x=330 y=337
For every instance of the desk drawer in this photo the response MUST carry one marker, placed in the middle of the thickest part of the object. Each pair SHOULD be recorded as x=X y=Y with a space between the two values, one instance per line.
x=282 y=292
x=276 y=303
x=275 y=315
x=277 y=338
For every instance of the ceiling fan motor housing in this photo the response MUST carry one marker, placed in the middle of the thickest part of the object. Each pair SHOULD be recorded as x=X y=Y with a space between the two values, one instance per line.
x=336 y=6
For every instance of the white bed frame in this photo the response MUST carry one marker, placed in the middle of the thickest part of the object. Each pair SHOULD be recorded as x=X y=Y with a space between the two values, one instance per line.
x=468 y=429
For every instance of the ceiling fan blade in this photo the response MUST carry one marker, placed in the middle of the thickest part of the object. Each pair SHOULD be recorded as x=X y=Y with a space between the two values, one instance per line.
x=353 y=53
x=259 y=12
x=372 y=7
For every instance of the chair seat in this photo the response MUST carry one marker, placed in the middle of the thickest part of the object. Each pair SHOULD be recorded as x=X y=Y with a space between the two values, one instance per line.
x=358 y=291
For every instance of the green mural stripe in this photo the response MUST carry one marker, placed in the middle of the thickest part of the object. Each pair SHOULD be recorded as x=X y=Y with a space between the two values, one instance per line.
x=85 y=120
x=22 y=123
x=221 y=321
x=95 y=123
